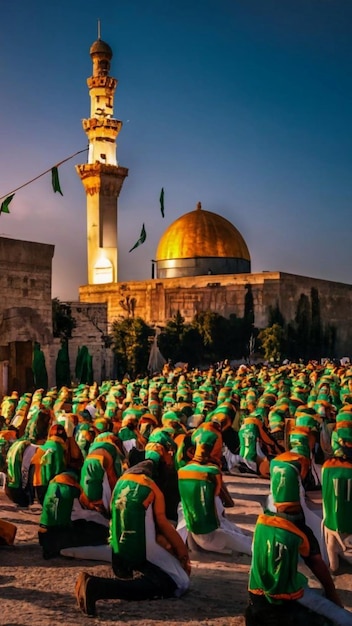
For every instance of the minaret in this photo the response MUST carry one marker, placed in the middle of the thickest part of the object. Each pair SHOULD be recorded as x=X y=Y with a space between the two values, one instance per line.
x=102 y=177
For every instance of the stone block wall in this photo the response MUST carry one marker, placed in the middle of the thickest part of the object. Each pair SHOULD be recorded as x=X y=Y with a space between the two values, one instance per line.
x=157 y=300
x=91 y=330
x=25 y=309
x=25 y=288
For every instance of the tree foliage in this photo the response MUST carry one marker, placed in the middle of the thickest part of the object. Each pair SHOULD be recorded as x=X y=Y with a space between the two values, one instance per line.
x=305 y=337
x=62 y=366
x=272 y=341
x=63 y=322
x=40 y=374
x=209 y=337
x=84 y=366
x=131 y=345
x=171 y=339
x=275 y=316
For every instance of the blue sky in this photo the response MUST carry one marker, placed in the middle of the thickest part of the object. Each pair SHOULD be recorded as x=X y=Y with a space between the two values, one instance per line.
x=244 y=105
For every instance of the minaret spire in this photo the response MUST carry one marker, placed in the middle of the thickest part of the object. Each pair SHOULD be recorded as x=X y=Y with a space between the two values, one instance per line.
x=102 y=177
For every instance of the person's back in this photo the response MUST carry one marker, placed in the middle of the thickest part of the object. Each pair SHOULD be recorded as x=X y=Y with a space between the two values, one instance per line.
x=18 y=461
x=278 y=591
x=248 y=436
x=84 y=437
x=58 y=500
x=285 y=477
x=100 y=471
x=58 y=530
x=128 y=506
x=201 y=518
x=277 y=544
x=337 y=494
x=48 y=460
x=337 y=499
x=55 y=517
x=146 y=549
x=198 y=485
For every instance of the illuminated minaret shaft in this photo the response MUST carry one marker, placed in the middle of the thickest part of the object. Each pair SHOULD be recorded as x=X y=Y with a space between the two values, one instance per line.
x=102 y=177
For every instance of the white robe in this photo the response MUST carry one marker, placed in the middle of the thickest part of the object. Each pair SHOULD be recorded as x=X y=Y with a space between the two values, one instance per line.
x=226 y=539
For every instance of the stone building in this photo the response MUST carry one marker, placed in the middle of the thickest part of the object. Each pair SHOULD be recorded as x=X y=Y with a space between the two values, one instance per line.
x=26 y=318
x=26 y=309
x=202 y=261
x=158 y=300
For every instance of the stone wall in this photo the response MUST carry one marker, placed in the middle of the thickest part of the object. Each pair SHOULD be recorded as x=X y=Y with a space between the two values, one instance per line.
x=25 y=309
x=92 y=331
x=157 y=300
x=25 y=287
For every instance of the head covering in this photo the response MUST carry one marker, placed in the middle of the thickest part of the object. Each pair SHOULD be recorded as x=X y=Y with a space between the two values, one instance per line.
x=102 y=424
x=86 y=415
x=223 y=415
x=107 y=437
x=344 y=442
x=159 y=446
x=308 y=417
x=171 y=420
x=299 y=441
x=205 y=442
x=57 y=430
x=161 y=436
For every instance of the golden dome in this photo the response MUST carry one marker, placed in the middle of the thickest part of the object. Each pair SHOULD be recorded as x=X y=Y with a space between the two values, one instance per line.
x=201 y=234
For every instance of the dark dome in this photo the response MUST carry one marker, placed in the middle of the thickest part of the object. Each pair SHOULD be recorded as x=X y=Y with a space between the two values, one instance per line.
x=102 y=48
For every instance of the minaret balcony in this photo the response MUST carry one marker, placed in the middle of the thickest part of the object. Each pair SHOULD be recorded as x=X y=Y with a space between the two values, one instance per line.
x=102 y=81
x=107 y=125
x=98 y=178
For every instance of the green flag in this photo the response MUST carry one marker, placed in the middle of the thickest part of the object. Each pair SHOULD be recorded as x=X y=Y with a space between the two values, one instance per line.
x=55 y=180
x=162 y=201
x=142 y=238
x=5 y=204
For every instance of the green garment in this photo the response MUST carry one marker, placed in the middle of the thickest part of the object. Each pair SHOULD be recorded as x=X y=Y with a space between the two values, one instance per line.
x=102 y=457
x=31 y=430
x=84 y=434
x=284 y=480
x=130 y=499
x=125 y=434
x=248 y=435
x=5 y=445
x=197 y=485
x=58 y=500
x=277 y=544
x=14 y=464
x=92 y=476
x=337 y=494
x=184 y=452
x=49 y=460
x=276 y=421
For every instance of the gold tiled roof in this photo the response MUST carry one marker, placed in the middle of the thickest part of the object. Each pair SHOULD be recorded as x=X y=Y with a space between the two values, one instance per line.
x=201 y=234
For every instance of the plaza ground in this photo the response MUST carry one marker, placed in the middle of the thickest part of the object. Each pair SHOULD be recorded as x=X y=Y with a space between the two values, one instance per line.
x=35 y=592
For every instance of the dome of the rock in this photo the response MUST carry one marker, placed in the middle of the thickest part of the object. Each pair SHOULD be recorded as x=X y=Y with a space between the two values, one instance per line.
x=201 y=242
